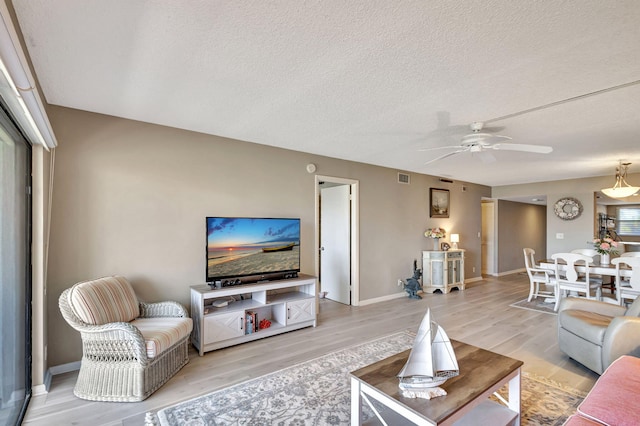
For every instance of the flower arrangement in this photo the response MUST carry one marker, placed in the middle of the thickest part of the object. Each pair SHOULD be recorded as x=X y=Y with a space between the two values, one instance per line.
x=435 y=233
x=605 y=245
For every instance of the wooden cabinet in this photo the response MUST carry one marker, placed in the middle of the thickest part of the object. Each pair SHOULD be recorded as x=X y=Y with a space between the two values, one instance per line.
x=286 y=304
x=300 y=311
x=442 y=270
x=223 y=326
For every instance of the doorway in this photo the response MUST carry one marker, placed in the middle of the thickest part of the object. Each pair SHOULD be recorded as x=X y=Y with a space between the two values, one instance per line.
x=337 y=257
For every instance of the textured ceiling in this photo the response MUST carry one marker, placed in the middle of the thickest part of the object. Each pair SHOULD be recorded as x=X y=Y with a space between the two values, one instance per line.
x=368 y=81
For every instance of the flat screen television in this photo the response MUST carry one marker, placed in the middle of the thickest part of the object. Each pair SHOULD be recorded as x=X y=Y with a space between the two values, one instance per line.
x=244 y=250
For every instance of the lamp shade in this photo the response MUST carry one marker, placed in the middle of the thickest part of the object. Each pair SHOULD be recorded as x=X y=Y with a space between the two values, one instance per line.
x=620 y=191
x=455 y=239
x=621 y=188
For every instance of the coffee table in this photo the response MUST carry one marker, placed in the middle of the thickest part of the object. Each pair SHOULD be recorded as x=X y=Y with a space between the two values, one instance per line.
x=482 y=373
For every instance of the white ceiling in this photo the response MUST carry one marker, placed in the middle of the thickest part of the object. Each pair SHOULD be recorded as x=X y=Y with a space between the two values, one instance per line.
x=367 y=81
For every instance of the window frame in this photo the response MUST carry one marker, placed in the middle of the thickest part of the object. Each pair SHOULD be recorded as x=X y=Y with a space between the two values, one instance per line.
x=634 y=223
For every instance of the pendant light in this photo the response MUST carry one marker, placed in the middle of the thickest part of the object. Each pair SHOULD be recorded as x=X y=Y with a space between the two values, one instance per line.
x=621 y=188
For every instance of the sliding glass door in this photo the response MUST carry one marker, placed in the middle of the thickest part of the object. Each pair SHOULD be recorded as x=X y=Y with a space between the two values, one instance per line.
x=15 y=274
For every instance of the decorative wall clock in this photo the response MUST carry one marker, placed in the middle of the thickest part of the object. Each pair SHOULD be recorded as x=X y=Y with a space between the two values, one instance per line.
x=567 y=208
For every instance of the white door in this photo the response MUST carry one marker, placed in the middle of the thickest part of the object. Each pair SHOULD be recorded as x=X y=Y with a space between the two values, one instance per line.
x=335 y=252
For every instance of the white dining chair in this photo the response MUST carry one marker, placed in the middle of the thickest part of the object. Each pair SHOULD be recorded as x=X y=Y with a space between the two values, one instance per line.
x=593 y=253
x=538 y=276
x=627 y=289
x=568 y=279
x=630 y=254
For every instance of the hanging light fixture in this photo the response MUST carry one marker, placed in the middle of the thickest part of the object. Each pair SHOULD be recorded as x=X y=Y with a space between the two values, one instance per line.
x=621 y=188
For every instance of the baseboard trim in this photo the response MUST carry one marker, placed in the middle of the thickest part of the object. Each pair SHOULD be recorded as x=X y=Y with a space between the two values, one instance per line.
x=381 y=299
x=515 y=271
x=40 y=390
x=64 y=368
x=403 y=294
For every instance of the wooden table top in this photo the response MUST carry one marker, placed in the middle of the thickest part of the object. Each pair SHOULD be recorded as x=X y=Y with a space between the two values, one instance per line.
x=480 y=370
x=594 y=268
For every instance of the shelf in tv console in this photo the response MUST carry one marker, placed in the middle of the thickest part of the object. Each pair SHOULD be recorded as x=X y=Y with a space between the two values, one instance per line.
x=288 y=304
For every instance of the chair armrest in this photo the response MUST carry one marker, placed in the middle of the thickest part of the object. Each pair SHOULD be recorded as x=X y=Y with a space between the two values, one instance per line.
x=162 y=309
x=621 y=338
x=113 y=341
x=549 y=274
x=601 y=308
x=543 y=270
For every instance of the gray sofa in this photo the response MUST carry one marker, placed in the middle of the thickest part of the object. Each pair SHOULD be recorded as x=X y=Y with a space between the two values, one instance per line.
x=597 y=333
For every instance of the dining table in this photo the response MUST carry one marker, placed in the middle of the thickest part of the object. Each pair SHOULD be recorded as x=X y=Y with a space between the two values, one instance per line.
x=594 y=268
x=604 y=270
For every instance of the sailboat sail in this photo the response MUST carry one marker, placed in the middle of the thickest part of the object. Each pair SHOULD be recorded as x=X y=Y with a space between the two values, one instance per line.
x=432 y=360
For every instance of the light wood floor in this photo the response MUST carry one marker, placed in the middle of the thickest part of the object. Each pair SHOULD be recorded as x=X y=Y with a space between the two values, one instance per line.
x=480 y=316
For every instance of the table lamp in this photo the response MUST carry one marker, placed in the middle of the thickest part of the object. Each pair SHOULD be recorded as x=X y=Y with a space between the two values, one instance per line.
x=455 y=239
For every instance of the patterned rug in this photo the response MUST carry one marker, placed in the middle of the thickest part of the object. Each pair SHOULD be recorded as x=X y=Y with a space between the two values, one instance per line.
x=537 y=304
x=317 y=392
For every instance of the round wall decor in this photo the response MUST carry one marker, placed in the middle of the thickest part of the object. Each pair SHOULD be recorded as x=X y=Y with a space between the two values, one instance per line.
x=567 y=208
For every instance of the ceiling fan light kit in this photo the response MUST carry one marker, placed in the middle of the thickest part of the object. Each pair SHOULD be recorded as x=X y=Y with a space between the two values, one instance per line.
x=621 y=188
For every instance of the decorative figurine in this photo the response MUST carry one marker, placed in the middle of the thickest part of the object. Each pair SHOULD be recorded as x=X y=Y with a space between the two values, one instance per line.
x=412 y=286
x=431 y=362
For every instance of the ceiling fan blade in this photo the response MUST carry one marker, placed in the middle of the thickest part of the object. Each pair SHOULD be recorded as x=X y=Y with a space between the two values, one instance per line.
x=540 y=149
x=486 y=157
x=439 y=147
x=449 y=154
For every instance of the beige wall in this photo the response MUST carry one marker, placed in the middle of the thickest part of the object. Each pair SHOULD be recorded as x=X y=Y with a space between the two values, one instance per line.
x=130 y=198
x=578 y=232
x=520 y=225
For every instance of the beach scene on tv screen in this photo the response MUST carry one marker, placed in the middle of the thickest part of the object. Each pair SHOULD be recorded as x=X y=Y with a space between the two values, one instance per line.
x=245 y=246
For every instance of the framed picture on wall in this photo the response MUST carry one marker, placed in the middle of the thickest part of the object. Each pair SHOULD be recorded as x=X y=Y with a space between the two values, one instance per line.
x=438 y=202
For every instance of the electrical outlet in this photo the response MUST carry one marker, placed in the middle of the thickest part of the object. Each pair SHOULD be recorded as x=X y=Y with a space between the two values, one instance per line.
x=400 y=282
x=473 y=269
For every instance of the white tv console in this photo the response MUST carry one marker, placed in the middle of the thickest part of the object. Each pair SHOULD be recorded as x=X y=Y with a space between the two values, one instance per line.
x=288 y=304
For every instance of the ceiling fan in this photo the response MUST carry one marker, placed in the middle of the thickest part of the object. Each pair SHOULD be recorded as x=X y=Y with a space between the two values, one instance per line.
x=479 y=143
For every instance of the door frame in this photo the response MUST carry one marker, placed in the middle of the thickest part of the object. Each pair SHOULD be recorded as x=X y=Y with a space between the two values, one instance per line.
x=355 y=233
x=491 y=238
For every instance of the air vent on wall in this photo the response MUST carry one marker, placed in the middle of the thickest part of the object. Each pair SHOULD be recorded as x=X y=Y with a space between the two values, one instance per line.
x=404 y=178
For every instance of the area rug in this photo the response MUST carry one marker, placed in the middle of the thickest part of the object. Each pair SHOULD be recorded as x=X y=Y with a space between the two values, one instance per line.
x=317 y=392
x=537 y=304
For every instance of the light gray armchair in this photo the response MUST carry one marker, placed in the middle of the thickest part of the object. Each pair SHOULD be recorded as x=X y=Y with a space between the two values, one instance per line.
x=597 y=333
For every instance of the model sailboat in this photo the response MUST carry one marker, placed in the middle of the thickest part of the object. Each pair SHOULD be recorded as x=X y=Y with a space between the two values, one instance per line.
x=432 y=360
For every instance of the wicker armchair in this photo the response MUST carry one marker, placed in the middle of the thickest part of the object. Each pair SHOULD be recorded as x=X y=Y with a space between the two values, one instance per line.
x=130 y=349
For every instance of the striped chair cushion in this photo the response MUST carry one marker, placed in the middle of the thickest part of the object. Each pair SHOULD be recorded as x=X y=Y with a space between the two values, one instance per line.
x=105 y=300
x=162 y=333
